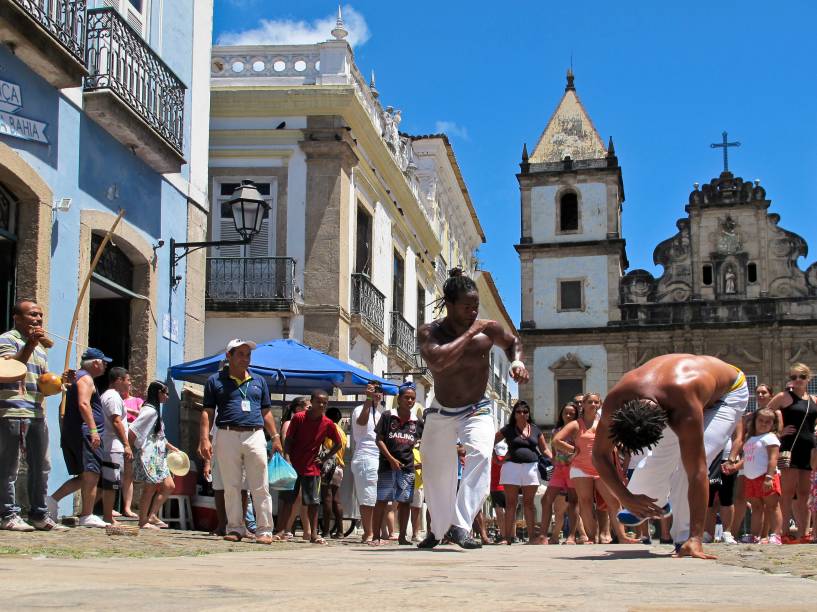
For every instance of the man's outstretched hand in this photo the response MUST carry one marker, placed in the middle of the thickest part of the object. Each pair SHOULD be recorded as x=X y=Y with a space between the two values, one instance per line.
x=693 y=548
x=643 y=506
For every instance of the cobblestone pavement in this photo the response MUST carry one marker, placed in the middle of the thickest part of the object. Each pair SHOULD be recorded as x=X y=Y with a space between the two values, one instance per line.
x=87 y=568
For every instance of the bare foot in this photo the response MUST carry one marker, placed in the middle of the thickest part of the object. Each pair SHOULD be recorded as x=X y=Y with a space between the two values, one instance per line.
x=130 y=514
x=628 y=540
x=537 y=541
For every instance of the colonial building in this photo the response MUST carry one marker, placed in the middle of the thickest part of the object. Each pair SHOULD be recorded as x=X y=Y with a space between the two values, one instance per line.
x=365 y=221
x=731 y=286
x=104 y=106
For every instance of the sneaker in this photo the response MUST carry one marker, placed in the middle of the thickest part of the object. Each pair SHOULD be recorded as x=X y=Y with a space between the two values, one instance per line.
x=15 y=523
x=463 y=539
x=629 y=519
x=728 y=538
x=707 y=539
x=429 y=542
x=53 y=507
x=47 y=524
x=92 y=520
x=775 y=539
x=749 y=539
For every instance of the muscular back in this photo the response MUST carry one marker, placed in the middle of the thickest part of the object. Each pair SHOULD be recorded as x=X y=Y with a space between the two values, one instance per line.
x=677 y=382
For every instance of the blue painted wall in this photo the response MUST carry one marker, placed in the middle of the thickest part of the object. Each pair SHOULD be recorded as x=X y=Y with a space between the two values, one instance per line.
x=81 y=162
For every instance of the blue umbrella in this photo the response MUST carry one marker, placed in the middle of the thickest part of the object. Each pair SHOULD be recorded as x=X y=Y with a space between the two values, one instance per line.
x=290 y=367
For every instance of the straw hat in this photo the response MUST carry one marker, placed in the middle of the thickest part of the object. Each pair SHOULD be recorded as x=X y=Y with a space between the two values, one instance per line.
x=178 y=463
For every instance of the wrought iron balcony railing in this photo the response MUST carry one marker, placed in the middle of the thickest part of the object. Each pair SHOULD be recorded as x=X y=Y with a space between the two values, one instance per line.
x=250 y=283
x=368 y=301
x=402 y=336
x=64 y=20
x=120 y=60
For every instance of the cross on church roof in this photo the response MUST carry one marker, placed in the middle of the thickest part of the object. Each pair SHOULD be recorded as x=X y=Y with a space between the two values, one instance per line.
x=725 y=146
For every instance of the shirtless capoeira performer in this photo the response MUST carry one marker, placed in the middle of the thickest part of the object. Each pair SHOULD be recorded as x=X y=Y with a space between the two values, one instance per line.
x=456 y=349
x=684 y=407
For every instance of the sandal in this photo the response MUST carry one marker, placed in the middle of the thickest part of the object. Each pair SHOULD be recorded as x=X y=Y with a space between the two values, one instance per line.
x=319 y=540
x=375 y=543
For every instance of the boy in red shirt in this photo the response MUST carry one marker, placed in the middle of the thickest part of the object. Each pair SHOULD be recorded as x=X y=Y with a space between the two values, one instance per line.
x=303 y=444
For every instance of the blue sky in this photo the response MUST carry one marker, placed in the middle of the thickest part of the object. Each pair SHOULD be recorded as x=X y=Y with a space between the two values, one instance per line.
x=663 y=78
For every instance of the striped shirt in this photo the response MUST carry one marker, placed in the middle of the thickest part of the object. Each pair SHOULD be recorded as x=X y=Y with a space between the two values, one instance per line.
x=27 y=405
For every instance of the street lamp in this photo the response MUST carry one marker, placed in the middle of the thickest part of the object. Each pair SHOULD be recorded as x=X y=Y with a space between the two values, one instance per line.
x=249 y=209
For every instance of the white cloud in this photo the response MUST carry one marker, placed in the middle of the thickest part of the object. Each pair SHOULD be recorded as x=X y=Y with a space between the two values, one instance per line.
x=289 y=32
x=450 y=128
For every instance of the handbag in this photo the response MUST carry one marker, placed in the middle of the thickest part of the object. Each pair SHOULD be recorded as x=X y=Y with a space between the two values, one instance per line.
x=784 y=457
x=545 y=467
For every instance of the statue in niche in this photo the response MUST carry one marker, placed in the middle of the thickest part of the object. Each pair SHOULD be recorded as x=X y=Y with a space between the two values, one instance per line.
x=729 y=281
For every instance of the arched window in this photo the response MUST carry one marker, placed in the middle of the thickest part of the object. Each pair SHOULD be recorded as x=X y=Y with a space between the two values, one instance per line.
x=569 y=212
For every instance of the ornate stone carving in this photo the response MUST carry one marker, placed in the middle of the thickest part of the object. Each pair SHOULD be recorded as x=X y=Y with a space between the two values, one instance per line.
x=729 y=280
x=728 y=241
x=569 y=364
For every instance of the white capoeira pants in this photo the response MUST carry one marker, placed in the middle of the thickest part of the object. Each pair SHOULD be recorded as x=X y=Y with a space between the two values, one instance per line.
x=661 y=474
x=473 y=426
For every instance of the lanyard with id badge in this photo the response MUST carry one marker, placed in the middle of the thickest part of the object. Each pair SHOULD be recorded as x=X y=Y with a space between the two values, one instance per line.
x=245 y=403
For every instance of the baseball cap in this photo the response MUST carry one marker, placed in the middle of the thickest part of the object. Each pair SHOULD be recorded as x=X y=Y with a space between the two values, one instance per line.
x=501 y=449
x=92 y=353
x=236 y=342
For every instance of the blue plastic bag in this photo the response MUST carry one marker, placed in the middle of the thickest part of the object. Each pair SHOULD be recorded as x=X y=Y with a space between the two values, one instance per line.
x=280 y=474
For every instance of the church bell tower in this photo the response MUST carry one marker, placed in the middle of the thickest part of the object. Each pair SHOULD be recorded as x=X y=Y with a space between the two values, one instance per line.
x=572 y=256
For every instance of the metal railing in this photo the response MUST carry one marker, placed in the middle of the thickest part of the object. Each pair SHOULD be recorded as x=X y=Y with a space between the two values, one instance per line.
x=402 y=335
x=62 y=19
x=120 y=60
x=368 y=301
x=241 y=279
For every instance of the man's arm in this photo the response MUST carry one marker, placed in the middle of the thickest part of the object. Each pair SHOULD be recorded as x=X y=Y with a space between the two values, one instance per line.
x=512 y=346
x=85 y=389
x=25 y=352
x=689 y=428
x=365 y=412
x=269 y=426
x=119 y=430
x=603 y=449
x=440 y=357
x=205 y=446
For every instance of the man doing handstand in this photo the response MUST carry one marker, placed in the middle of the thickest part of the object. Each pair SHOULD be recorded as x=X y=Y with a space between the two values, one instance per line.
x=456 y=349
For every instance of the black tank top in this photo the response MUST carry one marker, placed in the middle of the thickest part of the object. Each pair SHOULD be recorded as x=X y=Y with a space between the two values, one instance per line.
x=793 y=415
x=72 y=421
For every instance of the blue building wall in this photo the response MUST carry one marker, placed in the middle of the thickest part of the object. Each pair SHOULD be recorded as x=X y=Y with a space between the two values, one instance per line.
x=81 y=162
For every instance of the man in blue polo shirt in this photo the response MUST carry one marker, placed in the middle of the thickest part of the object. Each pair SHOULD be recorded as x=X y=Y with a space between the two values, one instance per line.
x=241 y=405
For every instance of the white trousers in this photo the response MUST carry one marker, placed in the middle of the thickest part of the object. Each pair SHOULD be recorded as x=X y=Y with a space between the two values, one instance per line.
x=661 y=473
x=447 y=506
x=240 y=454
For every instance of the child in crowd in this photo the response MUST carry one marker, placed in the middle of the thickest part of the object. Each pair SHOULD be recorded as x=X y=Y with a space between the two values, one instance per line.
x=762 y=485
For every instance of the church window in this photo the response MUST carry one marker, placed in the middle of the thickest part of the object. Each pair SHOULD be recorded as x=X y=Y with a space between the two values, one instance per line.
x=567 y=389
x=707 y=274
x=751 y=273
x=569 y=213
x=571 y=295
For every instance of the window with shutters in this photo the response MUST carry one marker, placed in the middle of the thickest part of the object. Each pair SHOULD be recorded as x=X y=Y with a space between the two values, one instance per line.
x=421 y=305
x=398 y=283
x=135 y=12
x=363 y=251
x=223 y=226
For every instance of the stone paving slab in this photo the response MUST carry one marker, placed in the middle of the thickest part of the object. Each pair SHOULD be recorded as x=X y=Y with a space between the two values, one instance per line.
x=355 y=577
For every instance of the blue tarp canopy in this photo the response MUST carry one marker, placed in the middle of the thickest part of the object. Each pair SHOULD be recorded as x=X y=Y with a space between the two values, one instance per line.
x=290 y=367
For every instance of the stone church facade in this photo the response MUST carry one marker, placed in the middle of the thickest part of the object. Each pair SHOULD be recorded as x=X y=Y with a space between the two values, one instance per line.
x=731 y=286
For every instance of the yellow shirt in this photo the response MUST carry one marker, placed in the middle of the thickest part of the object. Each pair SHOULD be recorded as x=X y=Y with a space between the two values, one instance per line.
x=418 y=472
x=328 y=443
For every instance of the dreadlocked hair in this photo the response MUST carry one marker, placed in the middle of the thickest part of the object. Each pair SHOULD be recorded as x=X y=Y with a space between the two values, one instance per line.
x=455 y=286
x=637 y=425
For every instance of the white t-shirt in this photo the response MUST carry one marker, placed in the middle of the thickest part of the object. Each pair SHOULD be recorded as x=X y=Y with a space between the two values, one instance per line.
x=112 y=404
x=756 y=454
x=364 y=435
x=143 y=425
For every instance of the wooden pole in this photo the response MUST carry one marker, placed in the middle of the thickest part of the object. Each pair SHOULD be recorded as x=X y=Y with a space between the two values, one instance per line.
x=81 y=298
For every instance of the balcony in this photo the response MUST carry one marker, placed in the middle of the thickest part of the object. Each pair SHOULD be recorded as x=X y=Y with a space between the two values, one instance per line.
x=250 y=284
x=403 y=342
x=368 y=309
x=132 y=93
x=49 y=36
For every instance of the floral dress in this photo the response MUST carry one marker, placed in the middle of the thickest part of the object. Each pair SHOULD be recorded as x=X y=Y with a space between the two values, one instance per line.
x=150 y=457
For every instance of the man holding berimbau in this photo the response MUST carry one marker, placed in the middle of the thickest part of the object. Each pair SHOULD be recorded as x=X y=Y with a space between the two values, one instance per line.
x=22 y=418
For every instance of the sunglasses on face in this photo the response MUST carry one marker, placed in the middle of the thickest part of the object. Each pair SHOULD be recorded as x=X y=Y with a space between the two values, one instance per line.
x=796 y=376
